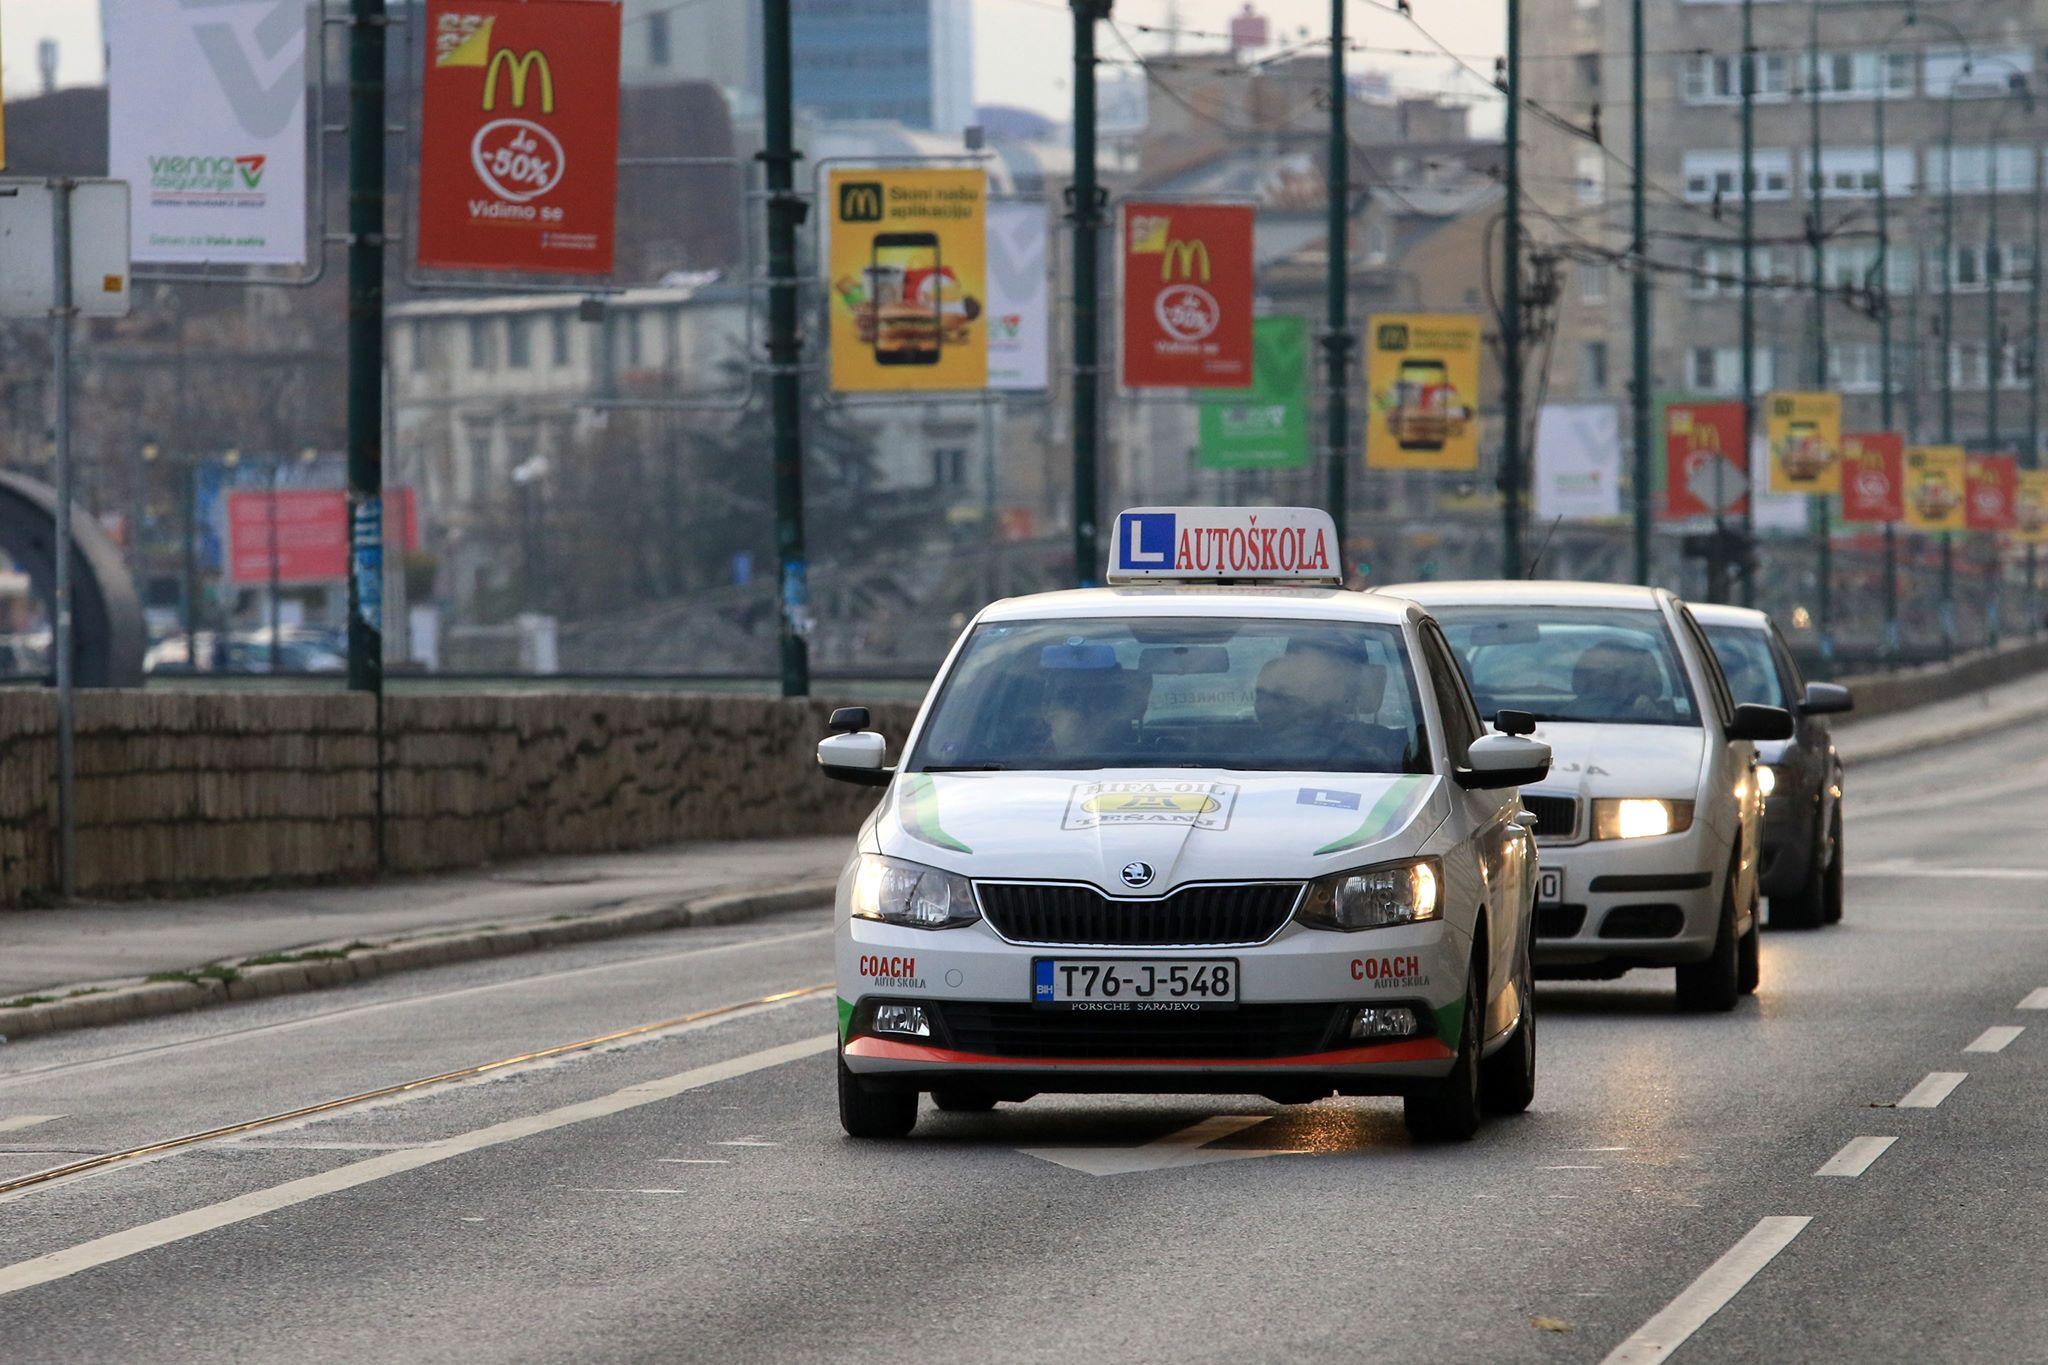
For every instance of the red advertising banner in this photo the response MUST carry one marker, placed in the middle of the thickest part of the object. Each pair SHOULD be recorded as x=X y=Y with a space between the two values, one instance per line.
x=1703 y=473
x=309 y=527
x=1187 y=296
x=1992 y=482
x=1873 y=476
x=519 y=136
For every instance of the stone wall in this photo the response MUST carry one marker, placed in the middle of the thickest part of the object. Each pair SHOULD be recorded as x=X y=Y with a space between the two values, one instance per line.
x=185 y=791
x=1881 y=694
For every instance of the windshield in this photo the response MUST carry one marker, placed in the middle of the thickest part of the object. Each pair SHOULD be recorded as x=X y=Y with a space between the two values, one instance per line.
x=1178 y=692
x=1745 y=657
x=1607 y=665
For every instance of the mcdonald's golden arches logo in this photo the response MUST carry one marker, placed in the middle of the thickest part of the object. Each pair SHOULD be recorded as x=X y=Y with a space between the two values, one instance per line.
x=521 y=67
x=1191 y=257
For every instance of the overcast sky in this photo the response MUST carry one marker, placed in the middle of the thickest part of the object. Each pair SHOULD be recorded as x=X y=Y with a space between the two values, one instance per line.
x=1021 y=46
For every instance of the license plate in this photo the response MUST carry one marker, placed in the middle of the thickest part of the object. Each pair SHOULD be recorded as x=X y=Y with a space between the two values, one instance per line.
x=1134 y=985
x=1549 y=885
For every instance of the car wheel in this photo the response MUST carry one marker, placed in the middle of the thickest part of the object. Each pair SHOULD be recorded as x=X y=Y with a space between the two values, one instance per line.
x=1507 y=1079
x=870 y=1112
x=1804 y=908
x=1749 y=968
x=953 y=1099
x=1831 y=889
x=1447 y=1110
x=1713 y=986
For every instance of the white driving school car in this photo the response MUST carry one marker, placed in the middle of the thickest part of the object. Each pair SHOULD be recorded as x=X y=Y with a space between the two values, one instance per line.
x=1650 y=820
x=1219 y=827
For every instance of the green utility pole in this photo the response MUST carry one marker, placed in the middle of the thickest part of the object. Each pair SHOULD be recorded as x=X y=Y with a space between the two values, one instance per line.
x=785 y=346
x=1944 y=358
x=1337 y=328
x=1084 y=211
x=1884 y=362
x=1992 y=356
x=1511 y=321
x=365 y=383
x=1748 y=303
x=1823 y=518
x=2032 y=457
x=1640 y=298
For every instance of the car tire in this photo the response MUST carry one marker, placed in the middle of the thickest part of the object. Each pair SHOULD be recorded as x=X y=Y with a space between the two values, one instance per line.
x=1805 y=908
x=1448 y=1110
x=867 y=1111
x=953 y=1099
x=1507 y=1079
x=1831 y=889
x=1749 y=967
x=1713 y=986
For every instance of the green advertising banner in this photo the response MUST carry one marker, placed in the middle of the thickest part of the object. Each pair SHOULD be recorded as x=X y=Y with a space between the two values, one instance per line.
x=1264 y=426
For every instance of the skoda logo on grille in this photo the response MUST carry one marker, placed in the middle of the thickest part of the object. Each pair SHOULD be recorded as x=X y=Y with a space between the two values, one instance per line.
x=1137 y=874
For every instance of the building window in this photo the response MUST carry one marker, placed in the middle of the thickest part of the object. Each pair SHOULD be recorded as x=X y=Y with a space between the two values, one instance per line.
x=479 y=442
x=626 y=337
x=425 y=354
x=1718 y=369
x=558 y=335
x=1856 y=366
x=482 y=354
x=1977 y=76
x=949 y=466
x=1593 y=373
x=1710 y=79
x=1974 y=167
x=657 y=38
x=1718 y=175
x=1592 y=282
x=519 y=342
x=1591 y=177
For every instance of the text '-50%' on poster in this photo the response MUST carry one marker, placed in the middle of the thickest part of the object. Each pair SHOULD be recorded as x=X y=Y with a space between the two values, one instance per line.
x=906 y=276
x=519 y=136
x=1422 y=381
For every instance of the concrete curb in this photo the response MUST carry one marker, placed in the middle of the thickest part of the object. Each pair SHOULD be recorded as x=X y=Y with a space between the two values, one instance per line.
x=1958 y=732
x=115 y=1004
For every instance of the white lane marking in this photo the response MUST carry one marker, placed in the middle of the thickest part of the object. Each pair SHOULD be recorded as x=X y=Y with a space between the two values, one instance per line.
x=1902 y=867
x=1995 y=1038
x=747 y=1142
x=2037 y=999
x=1855 y=1157
x=1187 y=1147
x=692 y=1161
x=606 y=1189
x=118 y=1246
x=21 y=1121
x=1932 y=1090
x=1572 y=1168
x=430 y=998
x=1708 y=1294
x=253 y=1145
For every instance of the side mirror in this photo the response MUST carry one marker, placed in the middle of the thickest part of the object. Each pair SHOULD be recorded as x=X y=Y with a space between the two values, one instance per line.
x=856 y=758
x=1754 y=722
x=847 y=719
x=1496 y=761
x=1826 y=699
x=1514 y=722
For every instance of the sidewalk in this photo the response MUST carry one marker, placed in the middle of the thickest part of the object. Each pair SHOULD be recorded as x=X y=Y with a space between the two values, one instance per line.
x=1944 y=722
x=56 y=951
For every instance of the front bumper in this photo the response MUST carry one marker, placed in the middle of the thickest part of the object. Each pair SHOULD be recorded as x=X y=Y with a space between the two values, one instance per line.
x=1631 y=902
x=1296 y=994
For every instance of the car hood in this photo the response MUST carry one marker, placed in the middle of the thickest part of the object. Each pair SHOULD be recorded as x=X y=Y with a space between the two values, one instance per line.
x=1187 y=825
x=1623 y=760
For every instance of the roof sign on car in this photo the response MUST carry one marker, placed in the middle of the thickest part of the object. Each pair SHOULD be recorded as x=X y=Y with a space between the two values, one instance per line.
x=1225 y=544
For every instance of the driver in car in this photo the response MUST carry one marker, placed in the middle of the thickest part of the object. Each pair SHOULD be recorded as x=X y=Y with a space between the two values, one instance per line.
x=1308 y=703
x=1618 y=681
x=1093 y=713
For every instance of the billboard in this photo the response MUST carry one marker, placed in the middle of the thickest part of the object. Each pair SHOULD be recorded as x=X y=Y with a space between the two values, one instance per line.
x=1578 y=462
x=206 y=121
x=1017 y=287
x=309 y=527
x=1422 y=391
x=1266 y=425
x=905 y=271
x=1187 y=296
x=1935 y=489
x=1990 y=488
x=1703 y=474
x=2030 y=506
x=519 y=136
x=1805 y=434
x=1873 y=476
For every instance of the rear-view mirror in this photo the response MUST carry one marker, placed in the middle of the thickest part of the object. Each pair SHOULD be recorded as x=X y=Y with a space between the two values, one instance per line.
x=858 y=758
x=1176 y=660
x=1826 y=699
x=1511 y=722
x=1755 y=722
x=1495 y=761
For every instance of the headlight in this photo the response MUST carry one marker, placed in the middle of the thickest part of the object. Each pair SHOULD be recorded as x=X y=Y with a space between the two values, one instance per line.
x=1639 y=817
x=897 y=892
x=1766 y=779
x=1397 y=893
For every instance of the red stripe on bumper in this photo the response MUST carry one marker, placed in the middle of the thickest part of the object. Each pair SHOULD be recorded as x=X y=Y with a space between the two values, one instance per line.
x=1411 y=1050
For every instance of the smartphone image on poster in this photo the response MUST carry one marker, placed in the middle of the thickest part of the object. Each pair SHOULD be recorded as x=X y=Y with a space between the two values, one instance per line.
x=908 y=298
x=1422 y=399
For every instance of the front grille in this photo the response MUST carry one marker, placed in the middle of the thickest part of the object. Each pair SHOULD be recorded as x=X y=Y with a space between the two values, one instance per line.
x=1560 y=921
x=1557 y=817
x=1034 y=912
x=1249 y=1031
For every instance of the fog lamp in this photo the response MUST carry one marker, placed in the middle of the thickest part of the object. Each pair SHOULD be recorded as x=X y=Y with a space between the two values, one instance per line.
x=1376 y=1021
x=908 y=1019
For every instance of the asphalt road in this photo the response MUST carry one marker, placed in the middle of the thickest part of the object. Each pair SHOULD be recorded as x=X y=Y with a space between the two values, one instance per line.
x=685 y=1194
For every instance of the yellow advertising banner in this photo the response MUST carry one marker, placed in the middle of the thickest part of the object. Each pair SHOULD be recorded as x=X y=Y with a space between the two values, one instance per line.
x=1422 y=385
x=1937 y=489
x=906 y=279
x=2030 y=507
x=1805 y=432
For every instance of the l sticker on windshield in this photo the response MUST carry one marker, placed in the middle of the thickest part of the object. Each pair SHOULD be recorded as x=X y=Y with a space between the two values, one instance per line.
x=1325 y=799
x=1205 y=805
x=1396 y=806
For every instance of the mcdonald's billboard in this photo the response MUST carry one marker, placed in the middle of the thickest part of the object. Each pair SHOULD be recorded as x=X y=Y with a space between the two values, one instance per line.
x=1873 y=476
x=1422 y=391
x=1187 y=296
x=1703 y=474
x=1936 y=488
x=1991 y=485
x=907 y=278
x=519 y=136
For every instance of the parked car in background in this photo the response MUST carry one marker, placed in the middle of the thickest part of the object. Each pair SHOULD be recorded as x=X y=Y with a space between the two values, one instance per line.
x=1800 y=777
x=299 y=650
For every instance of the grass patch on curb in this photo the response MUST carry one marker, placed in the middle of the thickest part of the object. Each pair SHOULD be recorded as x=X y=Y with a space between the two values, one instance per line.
x=222 y=974
x=22 y=1002
x=307 y=955
x=85 y=990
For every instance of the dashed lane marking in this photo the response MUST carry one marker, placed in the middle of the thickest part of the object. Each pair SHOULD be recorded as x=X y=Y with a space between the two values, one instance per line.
x=1932 y=1090
x=18 y=1122
x=1994 y=1039
x=163 y=1232
x=1707 y=1295
x=2037 y=999
x=1855 y=1157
